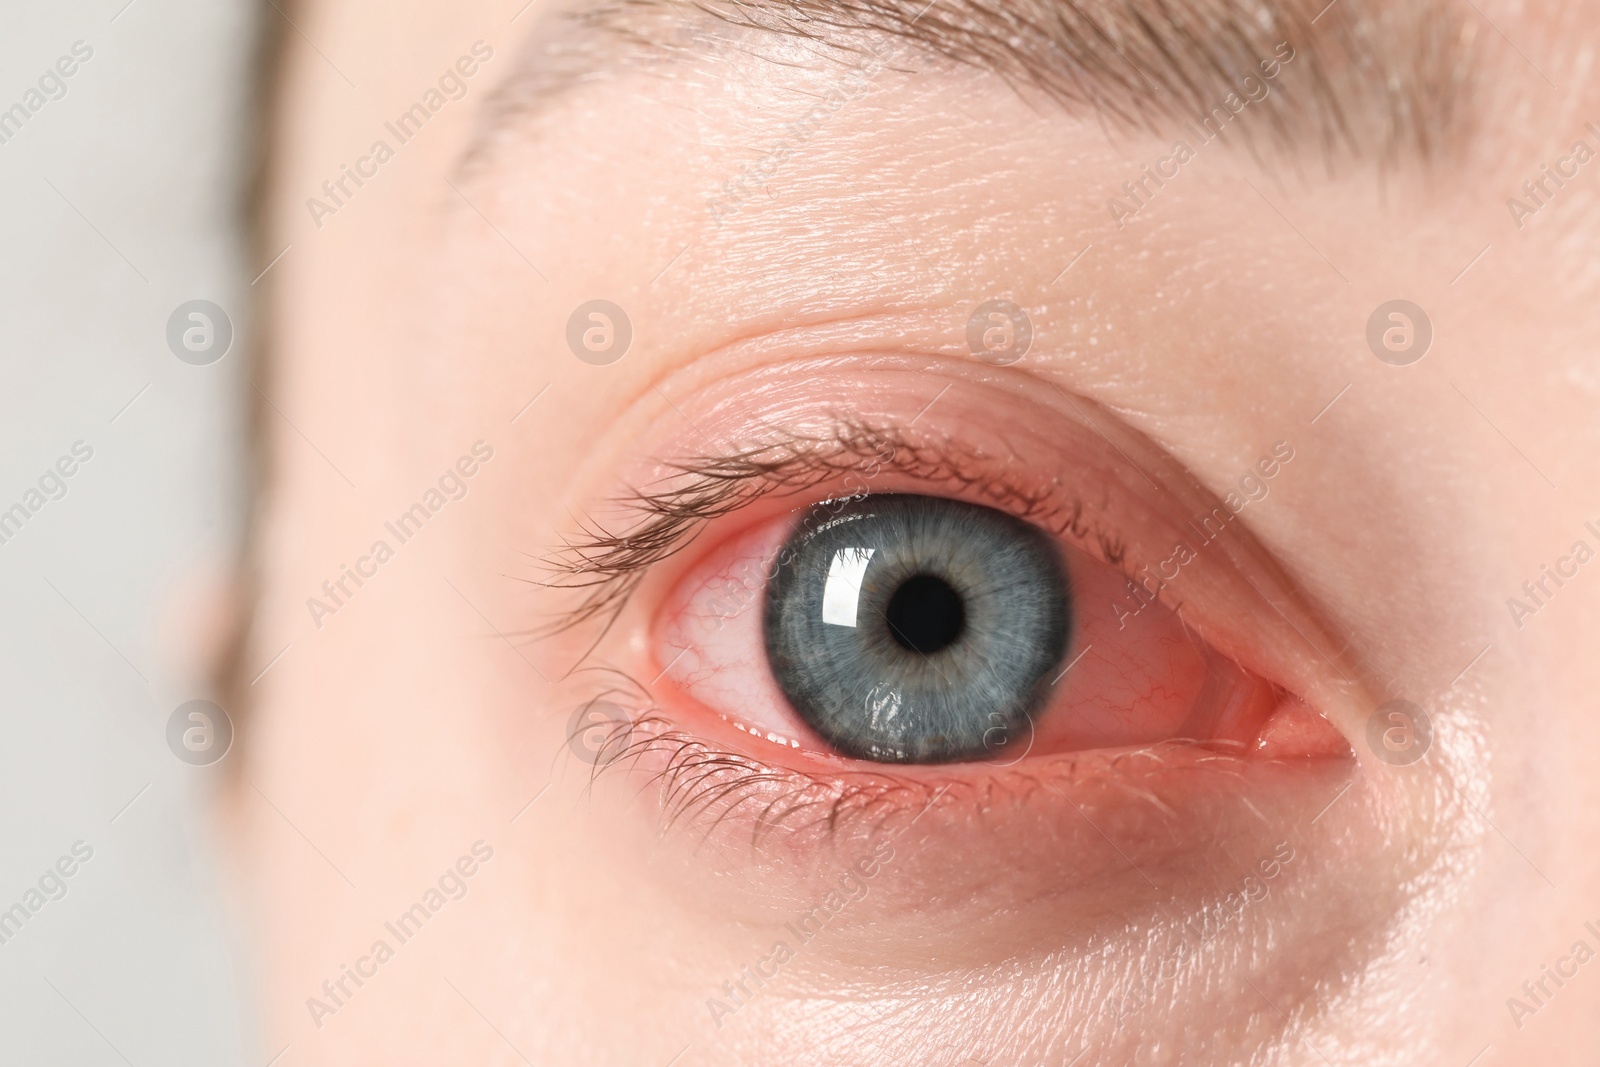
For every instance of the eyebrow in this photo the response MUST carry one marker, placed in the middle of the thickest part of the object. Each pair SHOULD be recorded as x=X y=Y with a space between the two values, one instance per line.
x=1367 y=79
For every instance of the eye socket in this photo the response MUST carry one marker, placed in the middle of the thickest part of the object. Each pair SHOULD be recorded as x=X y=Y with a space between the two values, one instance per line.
x=915 y=629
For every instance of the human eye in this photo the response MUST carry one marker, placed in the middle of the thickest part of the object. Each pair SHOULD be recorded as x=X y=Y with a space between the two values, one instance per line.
x=898 y=627
x=832 y=603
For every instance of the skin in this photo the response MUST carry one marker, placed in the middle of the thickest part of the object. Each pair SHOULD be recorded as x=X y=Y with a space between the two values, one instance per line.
x=422 y=716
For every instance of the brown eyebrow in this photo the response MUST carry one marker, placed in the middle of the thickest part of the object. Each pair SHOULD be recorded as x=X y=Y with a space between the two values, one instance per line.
x=1368 y=79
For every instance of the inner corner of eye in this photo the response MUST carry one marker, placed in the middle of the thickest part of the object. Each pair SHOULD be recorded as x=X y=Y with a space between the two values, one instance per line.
x=903 y=628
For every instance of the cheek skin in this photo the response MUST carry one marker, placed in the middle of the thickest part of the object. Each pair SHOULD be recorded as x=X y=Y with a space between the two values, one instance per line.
x=988 y=897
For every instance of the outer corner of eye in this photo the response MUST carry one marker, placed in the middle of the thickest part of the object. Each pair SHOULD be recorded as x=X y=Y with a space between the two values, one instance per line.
x=1295 y=730
x=909 y=629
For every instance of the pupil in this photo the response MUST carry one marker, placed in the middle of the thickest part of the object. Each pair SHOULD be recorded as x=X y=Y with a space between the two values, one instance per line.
x=926 y=614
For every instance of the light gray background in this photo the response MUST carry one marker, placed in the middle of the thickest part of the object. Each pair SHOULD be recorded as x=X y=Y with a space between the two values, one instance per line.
x=123 y=200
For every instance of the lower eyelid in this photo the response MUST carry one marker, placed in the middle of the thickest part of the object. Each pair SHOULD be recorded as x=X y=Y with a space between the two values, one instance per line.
x=971 y=840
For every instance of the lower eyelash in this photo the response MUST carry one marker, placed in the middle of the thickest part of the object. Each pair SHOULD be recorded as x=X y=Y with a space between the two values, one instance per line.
x=700 y=783
x=705 y=786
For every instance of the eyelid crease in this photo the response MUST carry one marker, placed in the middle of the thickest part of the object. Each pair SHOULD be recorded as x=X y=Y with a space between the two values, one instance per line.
x=611 y=565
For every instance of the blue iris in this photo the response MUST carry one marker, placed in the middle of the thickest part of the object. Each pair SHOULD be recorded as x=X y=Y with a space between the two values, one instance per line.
x=916 y=629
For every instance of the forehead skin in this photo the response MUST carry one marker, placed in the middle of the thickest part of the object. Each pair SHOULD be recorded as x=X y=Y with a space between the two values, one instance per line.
x=1227 y=313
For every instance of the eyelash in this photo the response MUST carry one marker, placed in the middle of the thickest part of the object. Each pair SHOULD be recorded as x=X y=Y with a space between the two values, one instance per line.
x=610 y=566
x=695 y=778
x=698 y=779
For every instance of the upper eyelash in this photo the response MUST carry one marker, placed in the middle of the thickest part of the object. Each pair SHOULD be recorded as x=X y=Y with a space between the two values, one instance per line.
x=611 y=565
